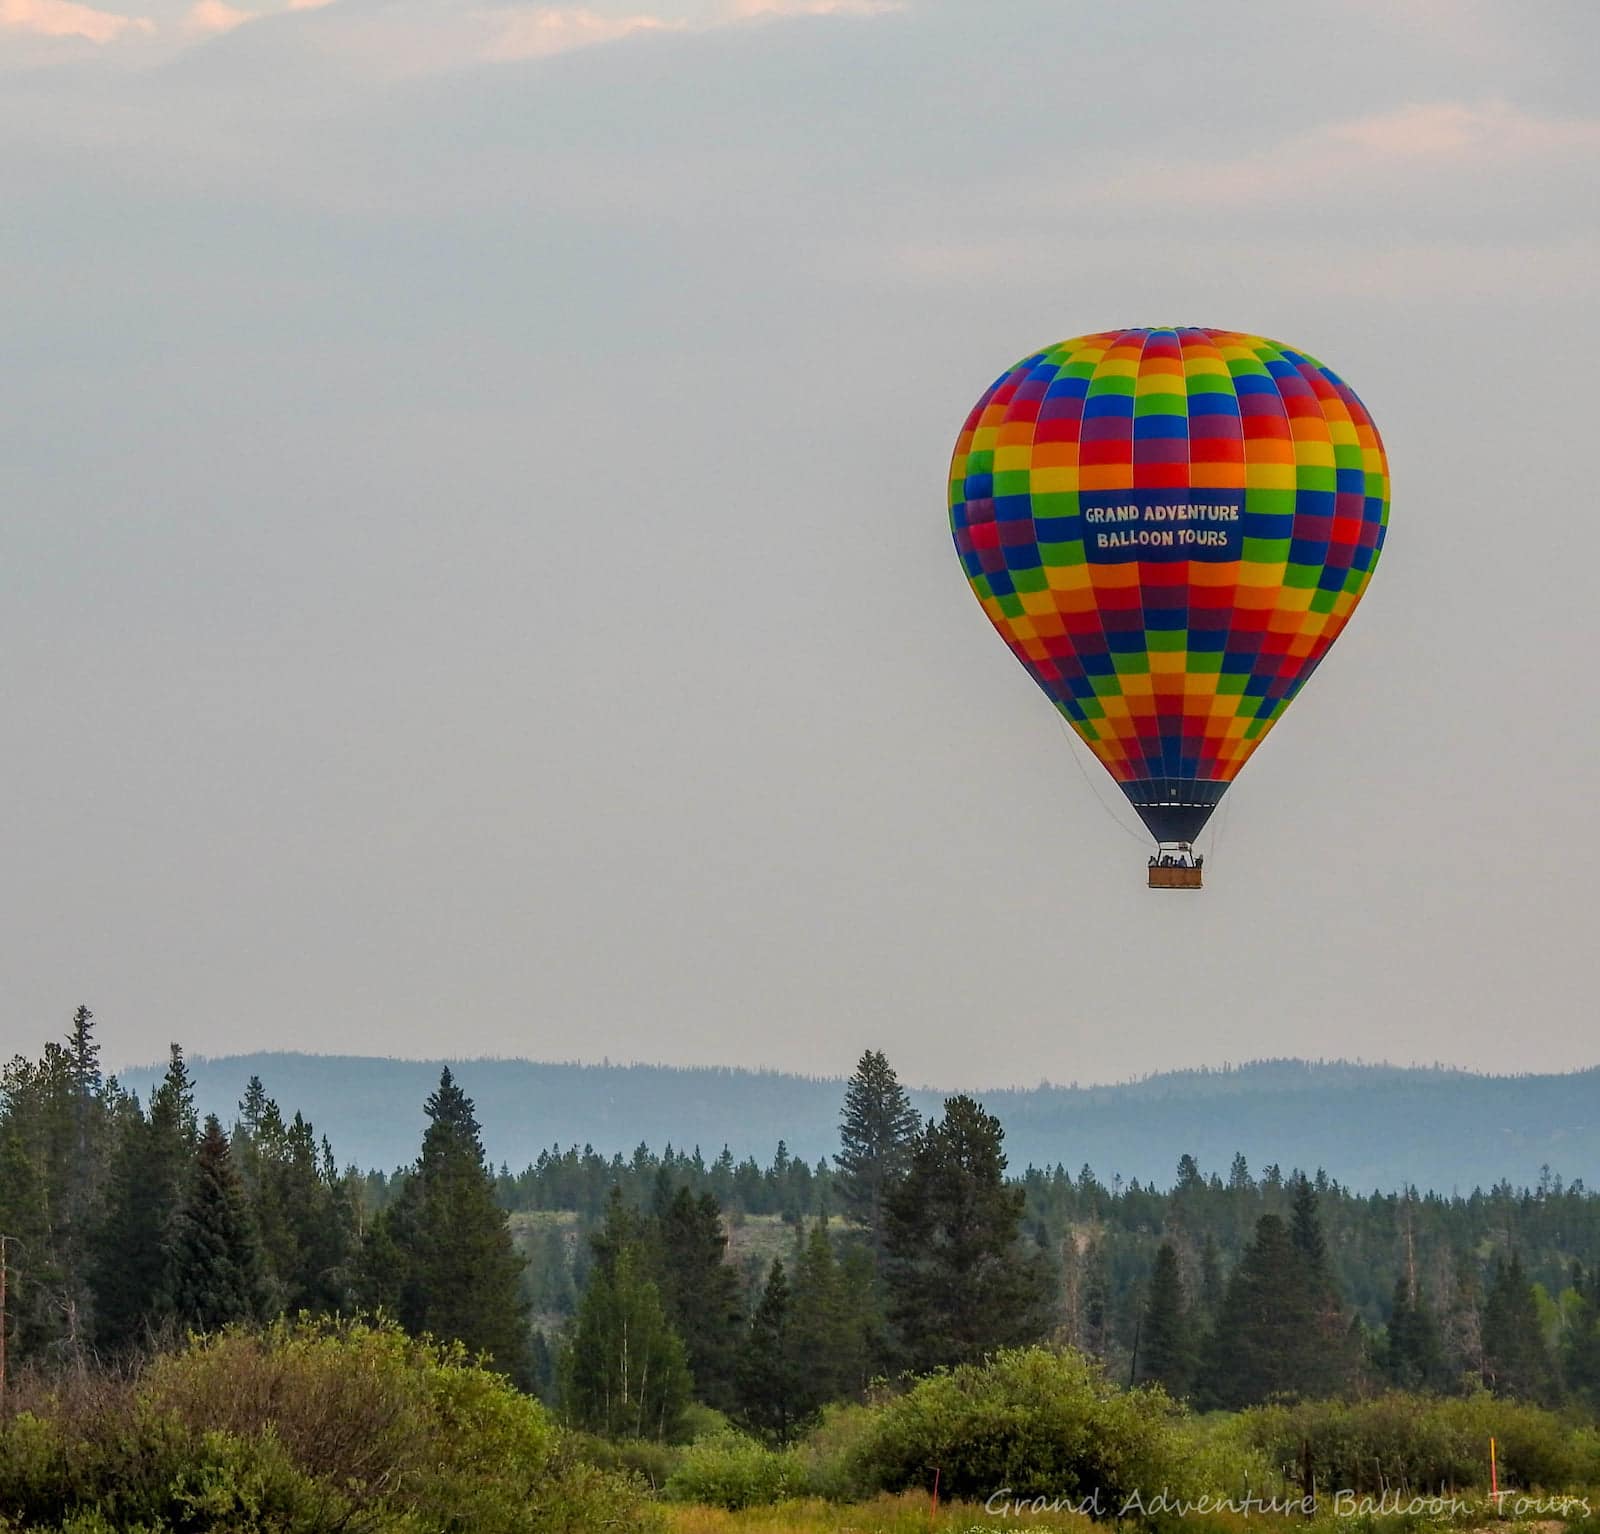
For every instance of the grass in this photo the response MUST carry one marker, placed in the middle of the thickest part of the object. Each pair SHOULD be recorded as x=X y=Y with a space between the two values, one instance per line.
x=911 y=1513
x=908 y=1513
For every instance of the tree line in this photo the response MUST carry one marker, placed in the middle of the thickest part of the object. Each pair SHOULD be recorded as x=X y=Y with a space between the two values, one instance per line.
x=915 y=1248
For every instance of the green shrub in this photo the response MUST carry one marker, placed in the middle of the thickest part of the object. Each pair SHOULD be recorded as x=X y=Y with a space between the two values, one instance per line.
x=647 y=1458
x=302 y=1427
x=1039 y=1422
x=701 y=1421
x=1222 y=1459
x=141 y=1470
x=832 y=1456
x=730 y=1470
x=1424 y=1443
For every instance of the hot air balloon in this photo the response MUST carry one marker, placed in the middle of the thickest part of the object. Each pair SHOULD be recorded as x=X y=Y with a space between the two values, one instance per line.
x=1169 y=526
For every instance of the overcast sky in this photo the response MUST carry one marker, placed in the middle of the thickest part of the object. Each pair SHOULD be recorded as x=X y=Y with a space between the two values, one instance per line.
x=475 y=575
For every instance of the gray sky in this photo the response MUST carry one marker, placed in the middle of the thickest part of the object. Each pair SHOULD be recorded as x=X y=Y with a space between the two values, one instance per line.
x=475 y=574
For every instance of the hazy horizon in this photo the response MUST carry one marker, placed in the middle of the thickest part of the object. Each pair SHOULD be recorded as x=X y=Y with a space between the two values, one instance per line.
x=156 y=1064
x=478 y=573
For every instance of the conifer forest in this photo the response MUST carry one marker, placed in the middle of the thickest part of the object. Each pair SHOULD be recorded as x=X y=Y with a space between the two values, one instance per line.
x=731 y=1332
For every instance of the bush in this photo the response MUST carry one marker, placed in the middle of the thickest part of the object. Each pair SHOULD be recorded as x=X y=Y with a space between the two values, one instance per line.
x=1040 y=1422
x=306 y=1426
x=647 y=1458
x=1222 y=1459
x=831 y=1457
x=140 y=1470
x=727 y=1469
x=1425 y=1443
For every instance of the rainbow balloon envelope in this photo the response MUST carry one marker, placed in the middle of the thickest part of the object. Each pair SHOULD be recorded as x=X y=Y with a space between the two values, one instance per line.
x=1170 y=527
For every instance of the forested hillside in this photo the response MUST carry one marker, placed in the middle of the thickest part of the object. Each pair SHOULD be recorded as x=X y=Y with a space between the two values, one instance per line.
x=1372 y=1126
x=707 y=1320
x=141 y=1213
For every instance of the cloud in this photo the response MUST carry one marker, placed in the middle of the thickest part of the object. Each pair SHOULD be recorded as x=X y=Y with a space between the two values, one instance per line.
x=537 y=33
x=534 y=34
x=745 y=9
x=1452 y=130
x=1435 y=137
x=211 y=17
x=67 y=18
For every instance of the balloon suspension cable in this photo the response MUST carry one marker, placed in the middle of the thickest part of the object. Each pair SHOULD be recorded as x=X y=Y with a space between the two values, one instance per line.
x=1219 y=824
x=1073 y=740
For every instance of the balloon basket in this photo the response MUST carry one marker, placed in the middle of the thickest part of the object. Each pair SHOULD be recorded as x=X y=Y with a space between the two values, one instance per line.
x=1175 y=867
x=1175 y=878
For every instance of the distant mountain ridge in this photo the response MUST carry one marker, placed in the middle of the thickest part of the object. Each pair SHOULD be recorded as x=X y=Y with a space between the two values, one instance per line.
x=1370 y=1126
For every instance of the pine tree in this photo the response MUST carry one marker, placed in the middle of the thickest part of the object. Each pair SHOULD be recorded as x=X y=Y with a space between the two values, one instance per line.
x=1166 y=1339
x=40 y=1106
x=829 y=1320
x=772 y=1371
x=87 y=1160
x=254 y=1106
x=301 y=1210
x=1330 y=1359
x=1581 y=1355
x=1461 y=1320
x=625 y=1373
x=1412 y=1356
x=700 y=1293
x=442 y=1252
x=30 y=1320
x=1263 y=1347
x=148 y=1180
x=1239 y=1179
x=960 y=1282
x=877 y=1129
x=1516 y=1360
x=1306 y=1229
x=215 y=1272
x=172 y=1109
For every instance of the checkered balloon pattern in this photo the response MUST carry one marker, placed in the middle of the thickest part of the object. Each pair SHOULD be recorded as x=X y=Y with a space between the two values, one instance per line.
x=1169 y=527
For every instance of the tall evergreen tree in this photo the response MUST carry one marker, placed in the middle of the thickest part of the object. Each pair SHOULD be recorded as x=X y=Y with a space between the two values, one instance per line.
x=700 y=1293
x=1412 y=1356
x=1581 y=1355
x=1265 y=1343
x=215 y=1271
x=830 y=1319
x=442 y=1251
x=85 y=1189
x=1330 y=1360
x=772 y=1370
x=31 y=1324
x=960 y=1281
x=1166 y=1333
x=1305 y=1229
x=302 y=1211
x=877 y=1130
x=1516 y=1361
x=148 y=1180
